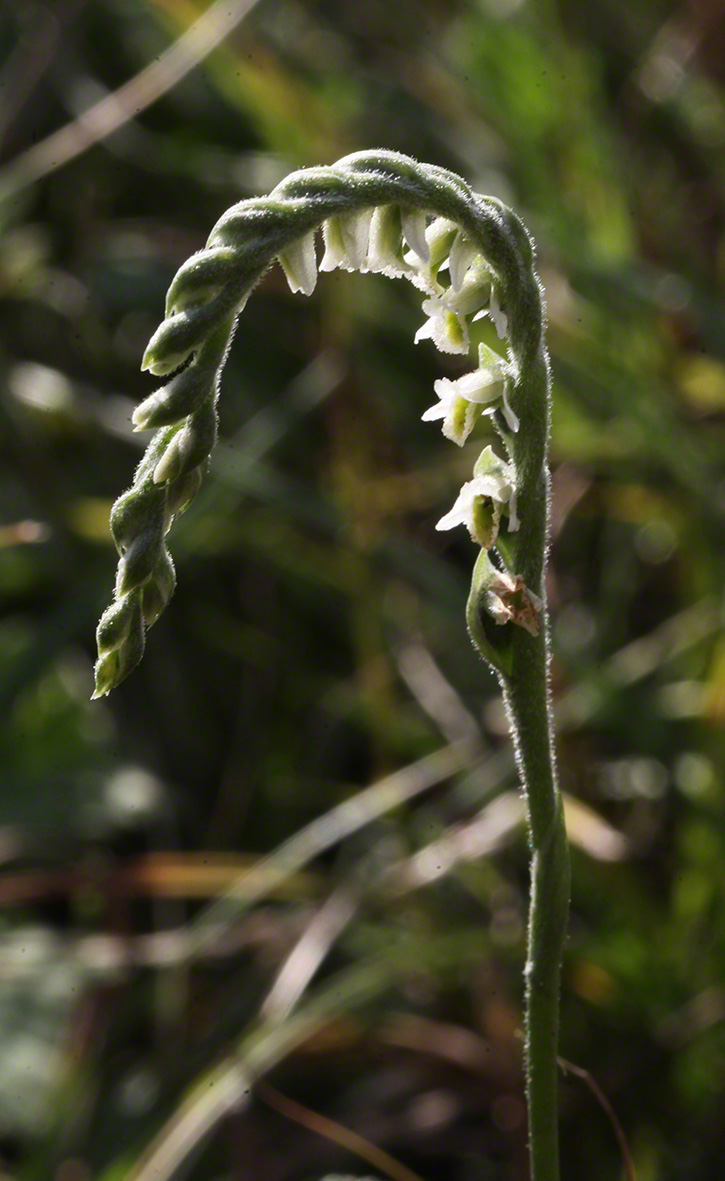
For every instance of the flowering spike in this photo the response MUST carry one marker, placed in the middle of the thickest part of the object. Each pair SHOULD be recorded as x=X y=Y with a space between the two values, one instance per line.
x=203 y=303
x=379 y=212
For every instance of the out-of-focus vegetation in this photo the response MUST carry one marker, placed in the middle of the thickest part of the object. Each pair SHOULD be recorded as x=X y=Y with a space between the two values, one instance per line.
x=316 y=643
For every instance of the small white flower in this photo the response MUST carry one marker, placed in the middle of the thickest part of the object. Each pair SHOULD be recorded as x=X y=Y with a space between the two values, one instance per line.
x=355 y=228
x=299 y=263
x=459 y=416
x=447 y=329
x=490 y=464
x=461 y=401
x=461 y=257
x=474 y=292
x=346 y=241
x=488 y=359
x=413 y=223
x=384 y=242
x=335 y=254
x=481 y=501
x=439 y=238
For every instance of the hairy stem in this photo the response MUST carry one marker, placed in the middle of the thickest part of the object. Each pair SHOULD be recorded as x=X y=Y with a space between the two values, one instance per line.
x=524 y=680
x=490 y=263
x=525 y=695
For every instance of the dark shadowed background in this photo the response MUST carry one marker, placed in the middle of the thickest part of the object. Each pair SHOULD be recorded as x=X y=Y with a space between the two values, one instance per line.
x=316 y=643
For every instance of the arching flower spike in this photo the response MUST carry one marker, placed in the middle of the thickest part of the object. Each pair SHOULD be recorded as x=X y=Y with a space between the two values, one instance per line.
x=383 y=211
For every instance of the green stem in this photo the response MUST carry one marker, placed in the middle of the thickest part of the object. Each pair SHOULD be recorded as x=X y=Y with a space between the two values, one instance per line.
x=522 y=662
x=526 y=691
x=526 y=696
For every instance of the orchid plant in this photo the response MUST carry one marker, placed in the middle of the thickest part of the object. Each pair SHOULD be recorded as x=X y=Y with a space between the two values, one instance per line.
x=471 y=257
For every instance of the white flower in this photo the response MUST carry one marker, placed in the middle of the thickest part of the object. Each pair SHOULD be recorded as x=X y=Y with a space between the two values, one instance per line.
x=459 y=416
x=447 y=329
x=299 y=263
x=335 y=255
x=355 y=229
x=490 y=464
x=384 y=242
x=461 y=401
x=488 y=359
x=346 y=241
x=461 y=257
x=413 y=223
x=474 y=291
x=481 y=501
x=439 y=238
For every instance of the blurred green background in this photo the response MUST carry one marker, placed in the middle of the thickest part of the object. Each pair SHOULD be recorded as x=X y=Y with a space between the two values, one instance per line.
x=316 y=643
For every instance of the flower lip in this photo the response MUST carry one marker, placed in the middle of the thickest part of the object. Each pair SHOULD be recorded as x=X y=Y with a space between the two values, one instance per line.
x=446 y=328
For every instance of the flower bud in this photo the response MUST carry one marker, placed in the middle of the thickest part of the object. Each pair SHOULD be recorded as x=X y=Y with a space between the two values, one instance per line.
x=159 y=588
x=200 y=279
x=181 y=492
x=132 y=511
x=191 y=446
x=121 y=641
x=178 y=336
x=138 y=561
x=179 y=398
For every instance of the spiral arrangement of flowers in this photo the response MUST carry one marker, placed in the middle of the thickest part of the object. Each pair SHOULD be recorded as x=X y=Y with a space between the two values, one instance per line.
x=378 y=212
